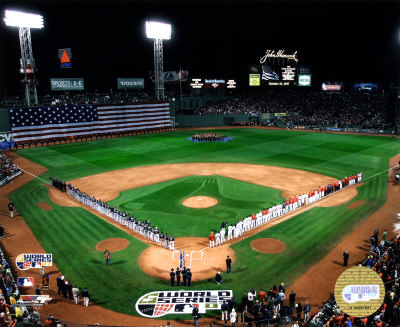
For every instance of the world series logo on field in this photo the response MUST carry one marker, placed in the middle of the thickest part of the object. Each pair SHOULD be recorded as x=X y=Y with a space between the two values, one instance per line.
x=161 y=303
x=34 y=260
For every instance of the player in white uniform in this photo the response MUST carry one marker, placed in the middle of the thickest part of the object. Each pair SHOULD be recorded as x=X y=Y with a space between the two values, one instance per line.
x=156 y=236
x=269 y=214
x=236 y=231
x=258 y=218
x=222 y=235
x=172 y=242
x=280 y=210
x=247 y=223
x=230 y=230
x=240 y=227
x=217 y=239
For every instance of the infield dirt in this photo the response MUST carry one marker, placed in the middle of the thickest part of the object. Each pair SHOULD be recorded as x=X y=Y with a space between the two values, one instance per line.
x=268 y=245
x=315 y=285
x=112 y=244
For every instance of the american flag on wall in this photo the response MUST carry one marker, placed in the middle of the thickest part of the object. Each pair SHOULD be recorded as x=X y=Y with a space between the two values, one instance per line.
x=40 y=123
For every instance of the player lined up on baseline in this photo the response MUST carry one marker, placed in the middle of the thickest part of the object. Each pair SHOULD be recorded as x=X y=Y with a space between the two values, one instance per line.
x=266 y=215
x=144 y=228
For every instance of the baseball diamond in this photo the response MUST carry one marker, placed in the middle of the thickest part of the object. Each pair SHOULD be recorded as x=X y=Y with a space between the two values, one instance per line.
x=150 y=175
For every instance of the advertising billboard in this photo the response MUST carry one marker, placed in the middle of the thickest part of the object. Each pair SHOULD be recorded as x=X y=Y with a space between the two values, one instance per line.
x=214 y=83
x=130 y=83
x=304 y=70
x=231 y=84
x=6 y=141
x=196 y=83
x=254 y=79
x=174 y=76
x=328 y=86
x=65 y=56
x=304 y=80
x=67 y=84
x=365 y=87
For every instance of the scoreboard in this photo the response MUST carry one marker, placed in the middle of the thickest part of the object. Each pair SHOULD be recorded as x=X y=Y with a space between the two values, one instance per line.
x=279 y=68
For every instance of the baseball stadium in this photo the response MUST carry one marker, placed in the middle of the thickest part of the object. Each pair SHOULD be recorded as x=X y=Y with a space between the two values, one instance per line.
x=267 y=195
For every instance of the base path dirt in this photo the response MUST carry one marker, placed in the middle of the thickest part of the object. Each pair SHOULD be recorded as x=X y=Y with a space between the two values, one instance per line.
x=317 y=284
x=200 y=202
x=45 y=206
x=268 y=245
x=112 y=244
x=355 y=205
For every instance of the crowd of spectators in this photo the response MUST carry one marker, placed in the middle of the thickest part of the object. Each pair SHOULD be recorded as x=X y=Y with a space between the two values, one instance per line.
x=8 y=169
x=302 y=107
x=11 y=313
x=309 y=108
x=79 y=98
x=109 y=97
x=267 y=308
x=384 y=258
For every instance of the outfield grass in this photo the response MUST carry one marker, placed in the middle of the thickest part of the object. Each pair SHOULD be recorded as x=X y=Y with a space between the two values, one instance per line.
x=308 y=237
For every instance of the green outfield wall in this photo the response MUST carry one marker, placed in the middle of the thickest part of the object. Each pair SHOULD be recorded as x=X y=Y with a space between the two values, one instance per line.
x=195 y=102
x=4 y=121
x=210 y=120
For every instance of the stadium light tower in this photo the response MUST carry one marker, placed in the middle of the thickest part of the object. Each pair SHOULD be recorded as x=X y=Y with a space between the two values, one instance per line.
x=26 y=21
x=158 y=32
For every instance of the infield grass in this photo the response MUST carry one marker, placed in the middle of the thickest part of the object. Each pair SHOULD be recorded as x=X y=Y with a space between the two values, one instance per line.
x=72 y=233
x=236 y=199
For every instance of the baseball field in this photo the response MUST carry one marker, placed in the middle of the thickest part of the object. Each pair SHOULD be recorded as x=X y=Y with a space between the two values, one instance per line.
x=151 y=175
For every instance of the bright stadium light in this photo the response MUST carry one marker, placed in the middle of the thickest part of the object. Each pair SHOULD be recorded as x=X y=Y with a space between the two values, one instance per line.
x=23 y=19
x=156 y=30
x=159 y=32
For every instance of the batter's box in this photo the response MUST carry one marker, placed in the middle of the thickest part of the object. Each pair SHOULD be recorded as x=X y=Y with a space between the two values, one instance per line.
x=196 y=255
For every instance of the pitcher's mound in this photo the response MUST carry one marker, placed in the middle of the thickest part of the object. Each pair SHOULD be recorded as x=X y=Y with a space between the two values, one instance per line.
x=199 y=202
x=268 y=245
x=112 y=244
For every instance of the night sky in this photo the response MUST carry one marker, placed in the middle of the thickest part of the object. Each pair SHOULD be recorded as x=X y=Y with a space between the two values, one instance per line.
x=341 y=41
